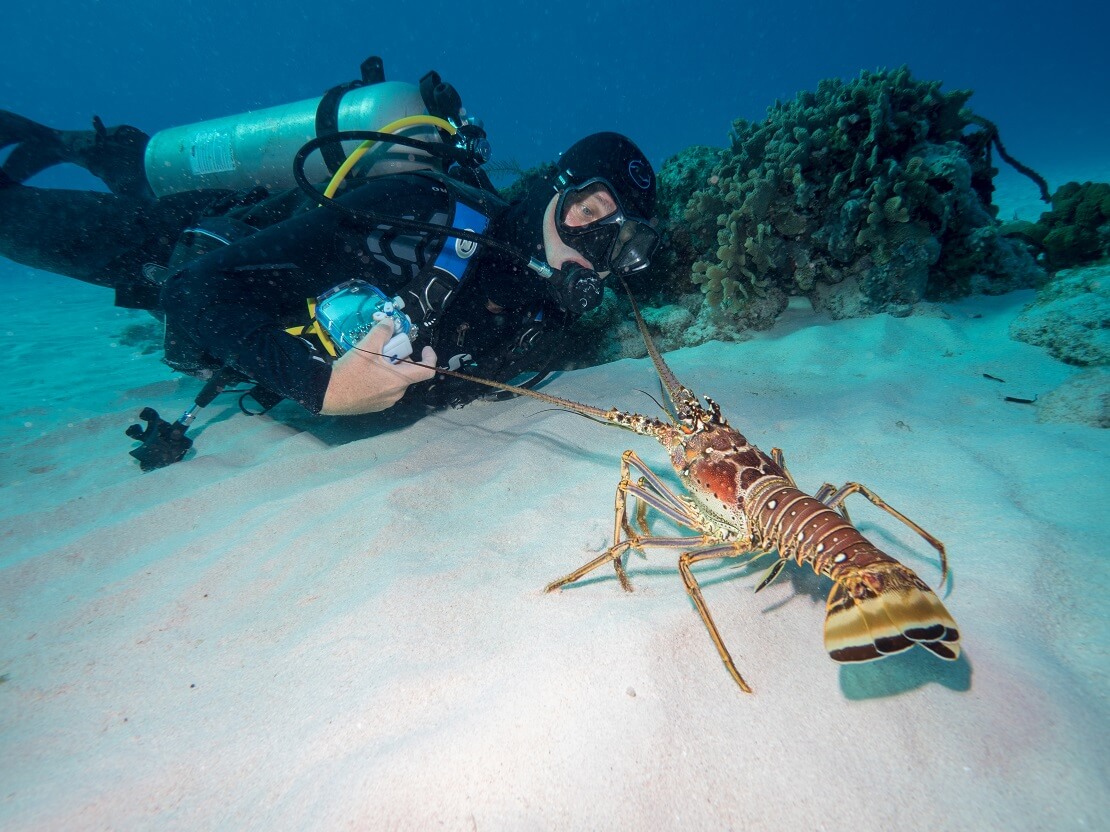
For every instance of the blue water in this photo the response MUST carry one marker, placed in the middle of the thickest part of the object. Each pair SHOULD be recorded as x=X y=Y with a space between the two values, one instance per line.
x=543 y=76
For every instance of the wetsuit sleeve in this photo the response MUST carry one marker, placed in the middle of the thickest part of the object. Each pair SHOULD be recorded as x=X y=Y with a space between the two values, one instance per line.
x=235 y=303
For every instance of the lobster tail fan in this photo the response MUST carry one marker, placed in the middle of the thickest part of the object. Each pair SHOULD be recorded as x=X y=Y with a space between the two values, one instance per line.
x=863 y=624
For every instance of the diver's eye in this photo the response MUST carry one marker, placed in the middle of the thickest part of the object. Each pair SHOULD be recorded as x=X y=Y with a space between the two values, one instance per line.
x=582 y=212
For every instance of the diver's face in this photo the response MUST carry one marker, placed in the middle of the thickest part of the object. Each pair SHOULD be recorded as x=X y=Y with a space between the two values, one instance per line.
x=591 y=208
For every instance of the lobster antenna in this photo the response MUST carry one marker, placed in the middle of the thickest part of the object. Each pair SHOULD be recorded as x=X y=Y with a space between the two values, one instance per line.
x=566 y=404
x=659 y=404
x=681 y=398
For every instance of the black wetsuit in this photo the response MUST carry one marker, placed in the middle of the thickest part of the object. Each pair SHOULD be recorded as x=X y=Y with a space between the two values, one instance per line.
x=232 y=306
x=100 y=238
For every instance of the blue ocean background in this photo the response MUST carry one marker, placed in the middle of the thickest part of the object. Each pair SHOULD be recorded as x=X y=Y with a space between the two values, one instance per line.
x=543 y=74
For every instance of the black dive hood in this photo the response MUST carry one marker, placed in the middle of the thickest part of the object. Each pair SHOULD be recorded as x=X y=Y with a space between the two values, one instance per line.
x=521 y=225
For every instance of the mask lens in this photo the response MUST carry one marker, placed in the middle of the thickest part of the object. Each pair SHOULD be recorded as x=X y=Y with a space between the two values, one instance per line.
x=591 y=204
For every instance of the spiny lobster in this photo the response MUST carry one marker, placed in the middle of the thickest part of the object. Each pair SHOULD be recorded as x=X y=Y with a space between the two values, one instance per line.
x=744 y=503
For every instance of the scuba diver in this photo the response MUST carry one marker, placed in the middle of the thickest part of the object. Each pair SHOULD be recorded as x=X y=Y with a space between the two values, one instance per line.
x=319 y=296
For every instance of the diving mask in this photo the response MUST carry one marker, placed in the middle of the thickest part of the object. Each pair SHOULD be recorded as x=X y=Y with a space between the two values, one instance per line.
x=591 y=220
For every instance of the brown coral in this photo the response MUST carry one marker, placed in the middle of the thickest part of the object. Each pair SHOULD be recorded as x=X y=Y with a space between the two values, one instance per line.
x=872 y=180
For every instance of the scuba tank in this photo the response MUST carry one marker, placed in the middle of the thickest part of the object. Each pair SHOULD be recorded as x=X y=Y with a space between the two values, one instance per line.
x=258 y=148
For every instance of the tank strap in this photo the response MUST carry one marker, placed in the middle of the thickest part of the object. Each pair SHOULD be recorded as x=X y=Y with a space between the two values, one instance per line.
x=327 y=111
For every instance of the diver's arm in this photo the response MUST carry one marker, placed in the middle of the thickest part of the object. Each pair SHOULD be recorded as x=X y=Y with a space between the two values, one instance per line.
x=365 y=381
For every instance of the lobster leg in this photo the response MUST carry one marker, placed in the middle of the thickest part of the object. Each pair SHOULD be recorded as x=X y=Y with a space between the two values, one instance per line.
x=648 y=491
x=822 y=496
x=685 y=561
x=641 y=511
x=615 y=552
x=620 y=523
x=630 y=459
x=780 y=460
x=833 y=497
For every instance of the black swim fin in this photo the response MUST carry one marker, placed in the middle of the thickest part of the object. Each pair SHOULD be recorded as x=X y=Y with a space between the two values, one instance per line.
x=115 y=155
x=37 y=148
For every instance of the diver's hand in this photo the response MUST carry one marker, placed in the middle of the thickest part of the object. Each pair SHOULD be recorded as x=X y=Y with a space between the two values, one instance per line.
x=364 y=381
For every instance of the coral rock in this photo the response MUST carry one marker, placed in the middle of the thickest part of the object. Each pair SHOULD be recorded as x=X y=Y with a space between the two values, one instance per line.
x=866 y=196
x=1070 y=317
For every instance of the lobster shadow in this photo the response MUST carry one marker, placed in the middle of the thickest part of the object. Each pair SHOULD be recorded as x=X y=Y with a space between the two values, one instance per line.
x=894 y=675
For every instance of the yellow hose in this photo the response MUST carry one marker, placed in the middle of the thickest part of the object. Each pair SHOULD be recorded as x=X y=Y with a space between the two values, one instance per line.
x=392 y=127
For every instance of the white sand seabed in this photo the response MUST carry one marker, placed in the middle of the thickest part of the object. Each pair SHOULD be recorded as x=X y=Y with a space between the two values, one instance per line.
x=324 y=623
